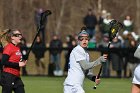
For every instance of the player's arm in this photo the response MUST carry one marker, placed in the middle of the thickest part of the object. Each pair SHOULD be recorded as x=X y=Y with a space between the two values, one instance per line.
x=90 y=76
x=88 y=65
x=137 y=53
x=5 y=62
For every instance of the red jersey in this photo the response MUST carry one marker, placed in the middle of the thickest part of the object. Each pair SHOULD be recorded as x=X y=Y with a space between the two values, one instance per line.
x=15 y=56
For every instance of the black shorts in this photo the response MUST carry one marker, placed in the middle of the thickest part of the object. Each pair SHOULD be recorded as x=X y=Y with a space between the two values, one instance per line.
x=10 y=80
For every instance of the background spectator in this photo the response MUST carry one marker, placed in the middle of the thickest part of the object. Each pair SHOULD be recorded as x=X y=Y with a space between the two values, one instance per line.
x=39 y=52
x=103 y=45
x=102 y=16
x=125 y=51
x=128 y=24
x=71 y=43
x=90 y=21
x=55 y=54
x=116 y=57
x=132 y=61
x=105 y=27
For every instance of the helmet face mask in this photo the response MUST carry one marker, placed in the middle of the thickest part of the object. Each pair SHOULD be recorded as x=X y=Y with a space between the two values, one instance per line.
x=81 y=38
x=83 y=33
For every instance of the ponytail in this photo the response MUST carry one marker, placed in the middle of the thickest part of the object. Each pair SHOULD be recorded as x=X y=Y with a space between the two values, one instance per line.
x=4 y=37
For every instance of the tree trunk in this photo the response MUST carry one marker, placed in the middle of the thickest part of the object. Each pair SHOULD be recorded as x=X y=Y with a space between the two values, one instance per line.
x=138 y=16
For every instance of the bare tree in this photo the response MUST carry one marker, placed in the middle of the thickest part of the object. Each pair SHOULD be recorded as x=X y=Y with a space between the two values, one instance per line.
x=99 y=6
x=138 y=16
x=60 y=17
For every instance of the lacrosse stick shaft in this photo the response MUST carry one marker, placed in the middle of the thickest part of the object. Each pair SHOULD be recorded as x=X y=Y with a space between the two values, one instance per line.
x=43 y=18
x=32 y=44
x=115 y=27
x=99 y=74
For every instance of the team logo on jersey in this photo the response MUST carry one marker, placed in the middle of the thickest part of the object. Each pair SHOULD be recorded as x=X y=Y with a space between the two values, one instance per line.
x=18 y=53
x=74 y=90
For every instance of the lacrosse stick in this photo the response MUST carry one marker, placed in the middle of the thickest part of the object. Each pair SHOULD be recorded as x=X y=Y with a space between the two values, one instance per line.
x=115 y=27
x=42 y=21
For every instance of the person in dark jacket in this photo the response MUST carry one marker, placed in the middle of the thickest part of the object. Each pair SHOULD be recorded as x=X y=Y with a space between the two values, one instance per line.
x=90 y=21
x=71 y=43
x=39 y=52
x=55 y=54
x=116 y=56
x=103 y=45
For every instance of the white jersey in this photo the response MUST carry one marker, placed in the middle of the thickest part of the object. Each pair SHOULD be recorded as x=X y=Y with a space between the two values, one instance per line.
x=136 y=78
x=75 y=72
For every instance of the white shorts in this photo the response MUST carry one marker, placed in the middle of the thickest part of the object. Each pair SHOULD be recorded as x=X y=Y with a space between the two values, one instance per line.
x=136 y=78
x=73 y=89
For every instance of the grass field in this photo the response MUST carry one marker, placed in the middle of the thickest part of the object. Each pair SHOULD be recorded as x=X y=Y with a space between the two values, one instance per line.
x=55 y=85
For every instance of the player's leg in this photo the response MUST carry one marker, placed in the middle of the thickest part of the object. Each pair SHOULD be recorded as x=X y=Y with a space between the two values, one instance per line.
x=67 y=89
x=73 y=89
x=77 y=89
x=6 y=89
x=136 y=81
x=135 y=88
x=19 y=89
x=19 y=86
x=7 y=82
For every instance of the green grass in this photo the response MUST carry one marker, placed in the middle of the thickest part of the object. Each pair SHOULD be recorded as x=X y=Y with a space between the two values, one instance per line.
x=55 y=85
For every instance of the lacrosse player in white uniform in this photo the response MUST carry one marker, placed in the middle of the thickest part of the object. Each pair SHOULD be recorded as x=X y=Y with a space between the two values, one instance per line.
x=79 y=66
x=136 y=78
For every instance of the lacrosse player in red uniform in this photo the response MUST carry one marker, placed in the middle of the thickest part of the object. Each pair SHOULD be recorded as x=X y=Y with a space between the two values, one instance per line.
x=11 y=62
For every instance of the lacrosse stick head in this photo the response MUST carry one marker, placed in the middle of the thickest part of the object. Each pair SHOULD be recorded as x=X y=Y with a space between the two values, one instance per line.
x=44 y=16
x=115 y=27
